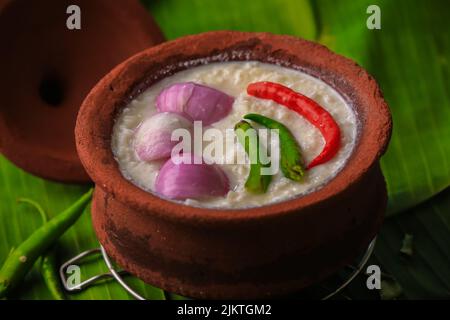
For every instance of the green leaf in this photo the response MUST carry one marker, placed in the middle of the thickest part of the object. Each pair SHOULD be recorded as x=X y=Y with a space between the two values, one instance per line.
x=179 y=17
x=425 y=274
x=409 y=57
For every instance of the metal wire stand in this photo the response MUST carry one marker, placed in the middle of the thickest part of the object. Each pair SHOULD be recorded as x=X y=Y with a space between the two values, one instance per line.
x=118 y=274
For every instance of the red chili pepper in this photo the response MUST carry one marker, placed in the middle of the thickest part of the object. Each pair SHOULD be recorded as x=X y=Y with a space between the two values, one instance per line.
x=308 y=108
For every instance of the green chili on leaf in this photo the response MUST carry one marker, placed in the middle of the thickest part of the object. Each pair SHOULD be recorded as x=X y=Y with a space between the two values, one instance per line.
x=21 y=259
x=49 y=271
x=291 y=161
x=256 y=181
x=48 y=266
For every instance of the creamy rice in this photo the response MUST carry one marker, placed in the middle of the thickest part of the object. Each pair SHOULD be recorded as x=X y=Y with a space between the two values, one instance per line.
x=233 y=78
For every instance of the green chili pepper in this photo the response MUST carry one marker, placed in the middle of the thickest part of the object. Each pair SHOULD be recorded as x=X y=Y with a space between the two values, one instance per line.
x=291 y=161
x=48 y=260
x=256 y=181
x=50 y=274
x=21 y=260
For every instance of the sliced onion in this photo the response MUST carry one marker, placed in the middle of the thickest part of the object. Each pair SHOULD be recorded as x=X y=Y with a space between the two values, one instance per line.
x=182 y=181
x=152 y=139
x=196 y=102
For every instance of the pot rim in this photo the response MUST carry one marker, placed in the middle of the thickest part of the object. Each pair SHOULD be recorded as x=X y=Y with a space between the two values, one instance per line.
x=99 y=109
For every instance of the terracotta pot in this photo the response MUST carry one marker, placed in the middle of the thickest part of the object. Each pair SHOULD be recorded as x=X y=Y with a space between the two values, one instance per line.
x=47 y=70
x=251 y=253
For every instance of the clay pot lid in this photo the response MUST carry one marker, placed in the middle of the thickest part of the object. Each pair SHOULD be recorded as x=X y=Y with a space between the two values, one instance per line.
x=130 y=78
x=47 y=70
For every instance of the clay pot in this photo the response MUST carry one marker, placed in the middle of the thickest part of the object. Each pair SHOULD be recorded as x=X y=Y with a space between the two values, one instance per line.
x=251 y=253
x=47 y=70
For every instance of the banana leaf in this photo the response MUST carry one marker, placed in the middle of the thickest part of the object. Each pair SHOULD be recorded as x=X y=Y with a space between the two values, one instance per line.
x=425 y=274
x=408 y=57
